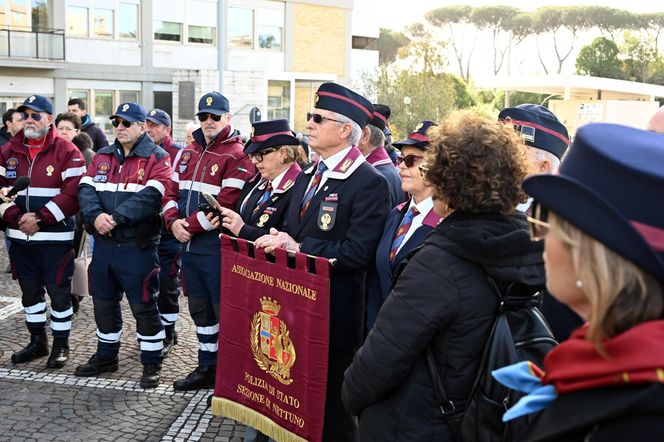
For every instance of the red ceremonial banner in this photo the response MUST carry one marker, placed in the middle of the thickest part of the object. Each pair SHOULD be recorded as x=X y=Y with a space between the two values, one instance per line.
x=273 y=341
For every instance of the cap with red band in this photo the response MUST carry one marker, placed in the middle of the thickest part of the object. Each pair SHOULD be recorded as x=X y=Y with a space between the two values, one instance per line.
x=419 y=138
x=339 y=99
x=538 y=127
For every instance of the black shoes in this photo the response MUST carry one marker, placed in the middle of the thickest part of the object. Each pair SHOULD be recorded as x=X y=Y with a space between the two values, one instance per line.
x=97 y=365
x=37 y=348
x=59 y=354
x=170 y=341
x=150 y=378
x=200 y=378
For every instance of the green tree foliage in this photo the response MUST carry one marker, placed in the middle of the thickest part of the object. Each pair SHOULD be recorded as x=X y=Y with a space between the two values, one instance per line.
x=455 y=19
x=495 y=19
x=517 y=98
x=611 y=21
x=425 y=48
x=599 y=59
x=389 y=43
x=638 y=53
x=413 y=97
x=654 y=23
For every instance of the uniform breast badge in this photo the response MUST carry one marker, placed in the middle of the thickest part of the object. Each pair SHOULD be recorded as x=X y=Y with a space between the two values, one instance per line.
x=49 y=170
x=271 y=344
x=263 y=219
x=327 y=215
x=214 y=169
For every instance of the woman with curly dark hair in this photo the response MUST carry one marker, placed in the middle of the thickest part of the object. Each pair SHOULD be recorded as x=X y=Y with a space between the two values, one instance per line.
x=443 y=300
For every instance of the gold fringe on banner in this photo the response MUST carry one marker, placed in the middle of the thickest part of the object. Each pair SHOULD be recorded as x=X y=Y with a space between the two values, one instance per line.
x=252 y=418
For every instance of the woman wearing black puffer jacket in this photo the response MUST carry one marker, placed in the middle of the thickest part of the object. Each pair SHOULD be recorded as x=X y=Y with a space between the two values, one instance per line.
x=442 y=298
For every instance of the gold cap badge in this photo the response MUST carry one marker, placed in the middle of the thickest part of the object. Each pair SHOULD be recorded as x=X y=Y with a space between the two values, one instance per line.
x=208 y=101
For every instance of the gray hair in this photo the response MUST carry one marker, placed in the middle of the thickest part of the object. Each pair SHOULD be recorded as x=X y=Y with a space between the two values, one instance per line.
x=545 y=155
x=377 y=137
x=356 y=130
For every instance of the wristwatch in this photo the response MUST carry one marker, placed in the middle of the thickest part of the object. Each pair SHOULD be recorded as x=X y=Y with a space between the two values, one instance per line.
x=41 y=223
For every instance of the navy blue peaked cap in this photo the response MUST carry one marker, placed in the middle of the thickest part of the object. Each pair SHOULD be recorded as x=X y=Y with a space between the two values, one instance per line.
x=267 y=134
x=419 y=138
x=213 y=103
x=538 y=127
x=609 y=186
x=130 y=112
x=37 y=103
x=337 y=98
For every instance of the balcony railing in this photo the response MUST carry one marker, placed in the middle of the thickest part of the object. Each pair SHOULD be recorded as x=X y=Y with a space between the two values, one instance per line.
x=44 y=44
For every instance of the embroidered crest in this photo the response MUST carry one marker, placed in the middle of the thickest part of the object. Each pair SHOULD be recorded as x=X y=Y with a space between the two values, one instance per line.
x=214 y=169
x=153 y=112
x=103 y=168
x=185 y=157
x=208 y=101
x=270 y=342
x=419 y=126
x=140 y=173
x=49 y=170
x=125 y=108
x=31 y=99
x=327 y=215
x=12 y=163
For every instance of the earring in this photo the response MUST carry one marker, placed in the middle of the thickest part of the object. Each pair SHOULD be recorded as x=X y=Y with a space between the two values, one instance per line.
x=579 y=284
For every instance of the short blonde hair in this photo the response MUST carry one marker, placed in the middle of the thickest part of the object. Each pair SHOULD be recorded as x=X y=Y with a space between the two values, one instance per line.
x=620 y=293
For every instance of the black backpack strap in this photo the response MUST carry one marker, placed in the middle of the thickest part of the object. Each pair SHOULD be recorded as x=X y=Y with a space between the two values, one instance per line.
x=447 y=407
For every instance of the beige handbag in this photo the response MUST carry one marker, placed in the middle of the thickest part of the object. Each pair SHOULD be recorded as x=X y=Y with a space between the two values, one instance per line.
x=79 y=281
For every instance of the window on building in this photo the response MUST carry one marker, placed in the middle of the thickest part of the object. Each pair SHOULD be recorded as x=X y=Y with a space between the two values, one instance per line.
x=168 y=31
x=368 y=43
x=260 y=28
x=278 y=99
x=201 y=34
x=40 y=15
x=104 y=105
x=77 y=20
x=164 y=101
x=128 y=97
x=186 y=100
x=240 y=27
x=82 y=94
x=102 y=20
x=128 y=21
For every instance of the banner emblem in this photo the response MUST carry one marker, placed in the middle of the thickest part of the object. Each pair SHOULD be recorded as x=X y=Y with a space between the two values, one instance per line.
x=271 y=344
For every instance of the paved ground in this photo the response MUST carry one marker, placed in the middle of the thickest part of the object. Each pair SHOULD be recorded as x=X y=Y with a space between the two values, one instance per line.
x=38 y=404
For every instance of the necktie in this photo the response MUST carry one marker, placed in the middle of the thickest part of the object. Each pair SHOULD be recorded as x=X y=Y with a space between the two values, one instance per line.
x=306 y=201
x=264 y=197
x=400 y=234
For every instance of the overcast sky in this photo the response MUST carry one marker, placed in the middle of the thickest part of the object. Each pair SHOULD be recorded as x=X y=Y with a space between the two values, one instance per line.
x=396 y=14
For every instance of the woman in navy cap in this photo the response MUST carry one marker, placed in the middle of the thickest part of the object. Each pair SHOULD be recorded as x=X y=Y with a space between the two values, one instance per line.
x=264 y=200
x=408 y=223
x=604 y=255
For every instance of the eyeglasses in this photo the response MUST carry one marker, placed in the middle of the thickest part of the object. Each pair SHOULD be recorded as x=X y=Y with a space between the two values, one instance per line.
x=35 y=117
x=424 y=170
x=410 y=160
x=258 y=156
x=204 y=117
x=117 y=122
x=67 y=129
x=539 y=227
x=318 y=118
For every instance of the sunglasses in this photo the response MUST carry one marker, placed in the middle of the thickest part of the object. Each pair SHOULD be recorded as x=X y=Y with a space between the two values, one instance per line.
x=318 y=118
x=35 y=117
x=125 y=123
x=539 y=227
x=260 y=155
x=409 y=160
x=204 y=117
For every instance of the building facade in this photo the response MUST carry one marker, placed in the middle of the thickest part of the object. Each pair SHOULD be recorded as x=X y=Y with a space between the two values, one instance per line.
x=268 y=54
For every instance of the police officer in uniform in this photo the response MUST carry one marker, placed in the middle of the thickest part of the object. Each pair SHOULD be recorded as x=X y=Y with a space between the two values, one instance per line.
x=264 y=200
x=214 y=163
x=159 y=129
x=40 y=226
x=120 y=197
x=336 y=206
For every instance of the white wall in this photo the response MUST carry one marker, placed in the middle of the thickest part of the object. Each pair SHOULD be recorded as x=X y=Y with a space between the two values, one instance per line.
x=111 y=52
x=249 y=60
x=179 y=56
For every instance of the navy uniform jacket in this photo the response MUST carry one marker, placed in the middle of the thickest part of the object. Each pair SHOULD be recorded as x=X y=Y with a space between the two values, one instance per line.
x=383 y=164
x=359 y=198
x=381 y=279
x=272 y=212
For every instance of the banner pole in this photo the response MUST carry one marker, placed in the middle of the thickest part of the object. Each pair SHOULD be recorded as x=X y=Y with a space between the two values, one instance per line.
x=291 y=253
